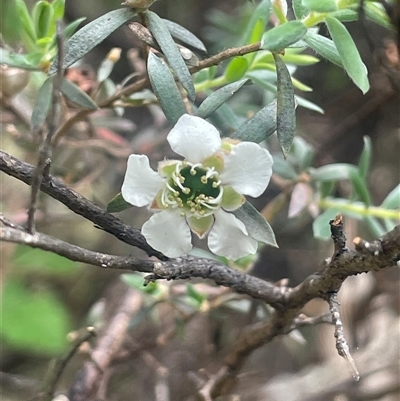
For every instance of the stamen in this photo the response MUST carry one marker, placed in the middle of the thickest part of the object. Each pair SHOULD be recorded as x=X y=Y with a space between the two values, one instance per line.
x=174 y=191
x=192 y=169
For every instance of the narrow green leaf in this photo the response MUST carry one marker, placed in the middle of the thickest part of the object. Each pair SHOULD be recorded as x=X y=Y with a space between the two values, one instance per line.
x=77 y=96
x=360 y=187
x=282 y=36
x=375 y=12
x=300 y=11
x=260 y=126
x=255 y=223
x=42 y=105
x=321 y=227
x=332 y=172
x=325 y=188
x=136 y=281
x=320 y=6
x=105 y=69
x=286 y=107
x=26 y=20
x=164 y=87
x=71 y=27
x=308 y=105
x=59 y=8
x=349 y=54
x=225 y=119
x=236 y=68
x=375 y=227
x=323 y=46
x=16 y=60
x=185 y=36
x=345 y=15
x=92 y=34
x=392 y=201
x=171 y=52
x=195 y=295
x=365 y=158
x=291 y=56
x=218 y=98
x=257 y=23
x=389 y=224
x=43 y=17
x=303 y=153
x=118 y=204
x=282 y=168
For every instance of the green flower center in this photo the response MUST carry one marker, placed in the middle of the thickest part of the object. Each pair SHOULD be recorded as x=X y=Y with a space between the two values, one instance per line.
x=194 y=188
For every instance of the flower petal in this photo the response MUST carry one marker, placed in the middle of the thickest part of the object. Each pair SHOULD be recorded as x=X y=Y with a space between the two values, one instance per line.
x=248 y=169
x=229 y=237
x=168 y=232
x=194 y=138
x=141 y=183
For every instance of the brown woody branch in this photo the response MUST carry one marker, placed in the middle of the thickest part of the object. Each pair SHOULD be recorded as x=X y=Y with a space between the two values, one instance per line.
x=78 y=204
x=368 y=256
x=108 y=345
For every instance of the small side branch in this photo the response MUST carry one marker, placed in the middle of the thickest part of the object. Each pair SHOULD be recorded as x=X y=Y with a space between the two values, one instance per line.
x=56 y=372
x=73 y=252
x=108 y=346
x=341 y=342
x=45 y=150
x=78 y=204
x=338 y=235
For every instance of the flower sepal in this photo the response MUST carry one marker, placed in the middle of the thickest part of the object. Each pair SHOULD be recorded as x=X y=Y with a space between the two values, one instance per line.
x=200 y=226
x=231 y=200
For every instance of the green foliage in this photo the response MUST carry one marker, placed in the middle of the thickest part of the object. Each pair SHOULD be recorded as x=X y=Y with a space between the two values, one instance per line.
x=236 y=69
x=136 y=281
x=218 y=98
x=255 y=224
x=164 y=87
x=280 y=46
x=164 y=39
x=118 y=204
x=92 y=34
x=185 y=36
x=37 y=33
x=320 y=6
x=323 y=46
x=282 y=36
x=29 y=260
x=285 y=118
x=77 y=96
x=260 y=126
x=33 y=321
x=42 y=105
x=348 y=53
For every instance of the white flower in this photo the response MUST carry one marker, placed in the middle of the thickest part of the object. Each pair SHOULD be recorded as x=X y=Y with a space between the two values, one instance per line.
x=197 y=193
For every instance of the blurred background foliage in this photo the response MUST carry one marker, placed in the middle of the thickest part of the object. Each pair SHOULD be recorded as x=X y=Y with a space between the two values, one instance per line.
x=45 y=298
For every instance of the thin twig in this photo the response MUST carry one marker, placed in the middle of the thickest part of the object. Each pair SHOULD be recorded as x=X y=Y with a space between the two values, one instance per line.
x=144 y=82
x=78 y=204
x=73 y=252
x=341 y=342
x=338 y=235
x=108 y=345
x=56 y=372
x=52 y=122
